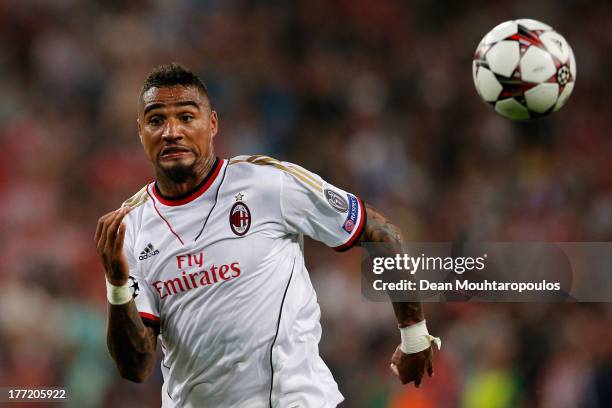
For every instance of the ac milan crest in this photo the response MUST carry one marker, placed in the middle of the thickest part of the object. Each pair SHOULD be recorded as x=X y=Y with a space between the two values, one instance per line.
x=240 y=218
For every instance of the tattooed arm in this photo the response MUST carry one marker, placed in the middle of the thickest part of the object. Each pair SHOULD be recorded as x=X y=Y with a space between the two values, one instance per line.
x=131 y=344
x=408 y=367
x=379 y=229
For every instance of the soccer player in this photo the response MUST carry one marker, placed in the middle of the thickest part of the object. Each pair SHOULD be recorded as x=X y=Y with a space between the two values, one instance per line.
x=209 y=259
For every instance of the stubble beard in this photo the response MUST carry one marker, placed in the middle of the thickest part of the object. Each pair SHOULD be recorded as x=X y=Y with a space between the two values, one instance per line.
x=182 y=173
x=178 y=173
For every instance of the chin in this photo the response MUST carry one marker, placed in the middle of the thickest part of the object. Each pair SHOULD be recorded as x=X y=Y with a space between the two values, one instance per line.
x=177 y=171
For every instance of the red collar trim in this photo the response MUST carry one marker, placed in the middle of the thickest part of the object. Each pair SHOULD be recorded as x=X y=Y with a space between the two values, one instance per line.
x=208 y=180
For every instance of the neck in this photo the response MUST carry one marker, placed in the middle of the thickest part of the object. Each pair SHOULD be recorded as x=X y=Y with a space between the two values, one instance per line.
x=170 y=188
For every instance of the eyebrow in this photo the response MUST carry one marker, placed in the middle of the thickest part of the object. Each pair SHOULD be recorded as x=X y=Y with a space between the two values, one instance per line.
x=161 y=105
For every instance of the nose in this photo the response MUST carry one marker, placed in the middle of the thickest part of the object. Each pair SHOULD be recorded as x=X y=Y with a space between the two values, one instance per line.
x=171 y=131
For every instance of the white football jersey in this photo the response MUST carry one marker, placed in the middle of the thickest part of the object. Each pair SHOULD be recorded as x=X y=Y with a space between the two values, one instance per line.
x=220 y=274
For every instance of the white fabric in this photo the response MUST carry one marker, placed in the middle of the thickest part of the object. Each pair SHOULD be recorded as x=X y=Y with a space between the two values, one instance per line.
x=118 y=295
x=416 y=338
x=238 y=314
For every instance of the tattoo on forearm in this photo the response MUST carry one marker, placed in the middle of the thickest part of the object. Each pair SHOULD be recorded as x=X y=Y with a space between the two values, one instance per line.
x=379 y=229
x=130 y=342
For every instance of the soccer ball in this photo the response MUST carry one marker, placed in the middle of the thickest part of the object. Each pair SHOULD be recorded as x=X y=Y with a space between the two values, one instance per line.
x=525 y=69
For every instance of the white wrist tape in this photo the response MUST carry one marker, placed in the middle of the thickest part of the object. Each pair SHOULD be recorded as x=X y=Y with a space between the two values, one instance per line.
x=118 y=295
x=416 y=338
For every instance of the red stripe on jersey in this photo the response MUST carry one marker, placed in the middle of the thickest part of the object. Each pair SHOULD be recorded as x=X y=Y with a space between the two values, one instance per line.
x=162 y=217
x=151 y=321
x=208 y=180
x=358 y=232
x=149 y=316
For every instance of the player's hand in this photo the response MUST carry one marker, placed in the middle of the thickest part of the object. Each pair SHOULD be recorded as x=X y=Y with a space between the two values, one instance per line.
x=412 y=367
x=109 y=237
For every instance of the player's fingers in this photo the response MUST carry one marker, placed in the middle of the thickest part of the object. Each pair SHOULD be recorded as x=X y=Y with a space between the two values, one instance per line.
x=394 y=369
x=430 y=370
x=98 y=230
x=111 y=232
x=114 y=226
x=406 y=375
x=120 y=238
x=419 y=377
x=114 y=232
x=103 y=231
x=100 y=227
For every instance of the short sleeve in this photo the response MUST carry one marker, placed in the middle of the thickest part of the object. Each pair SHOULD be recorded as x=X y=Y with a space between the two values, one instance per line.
x=144 y=297
x=326 y=213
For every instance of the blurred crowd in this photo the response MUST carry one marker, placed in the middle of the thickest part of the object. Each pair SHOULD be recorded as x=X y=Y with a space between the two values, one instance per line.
x=376 y=97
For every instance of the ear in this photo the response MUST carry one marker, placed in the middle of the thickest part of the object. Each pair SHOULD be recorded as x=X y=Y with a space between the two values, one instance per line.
x=214 y=123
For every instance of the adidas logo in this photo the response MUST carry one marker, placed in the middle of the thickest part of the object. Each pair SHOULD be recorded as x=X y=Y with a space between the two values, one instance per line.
x=148 y=252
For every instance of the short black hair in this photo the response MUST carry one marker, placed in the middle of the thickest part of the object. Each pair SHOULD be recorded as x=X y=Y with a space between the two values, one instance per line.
x=173 y=74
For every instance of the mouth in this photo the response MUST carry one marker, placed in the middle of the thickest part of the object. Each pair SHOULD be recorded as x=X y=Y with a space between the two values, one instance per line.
x=172 y=152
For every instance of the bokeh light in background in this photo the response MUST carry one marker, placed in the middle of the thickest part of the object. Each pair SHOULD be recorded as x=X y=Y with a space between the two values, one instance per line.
x=376 y=97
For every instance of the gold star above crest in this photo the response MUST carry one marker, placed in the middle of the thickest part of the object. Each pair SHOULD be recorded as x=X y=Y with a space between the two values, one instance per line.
x=239 y=197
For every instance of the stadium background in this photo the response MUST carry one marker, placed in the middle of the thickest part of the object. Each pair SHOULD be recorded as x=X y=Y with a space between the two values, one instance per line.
x=375 y=96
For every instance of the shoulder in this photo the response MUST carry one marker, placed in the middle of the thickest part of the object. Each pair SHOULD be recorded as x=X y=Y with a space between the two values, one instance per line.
x=261 y=165
x=136 y=202
x=251 y=162
x=137 y=199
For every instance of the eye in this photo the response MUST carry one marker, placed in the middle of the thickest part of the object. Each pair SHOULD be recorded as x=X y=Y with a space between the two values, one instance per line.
x=186 y=117
x=156 y=120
